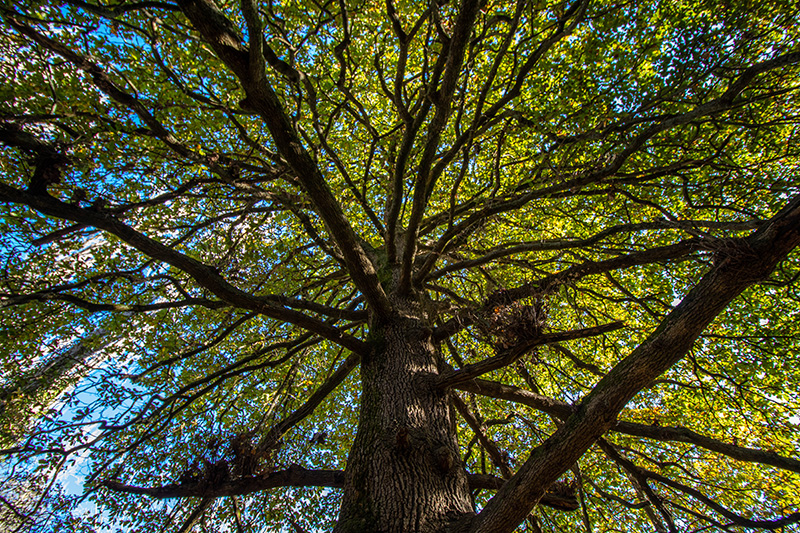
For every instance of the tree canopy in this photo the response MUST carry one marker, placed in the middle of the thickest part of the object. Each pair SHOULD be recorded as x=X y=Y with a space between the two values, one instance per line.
x=539 y=254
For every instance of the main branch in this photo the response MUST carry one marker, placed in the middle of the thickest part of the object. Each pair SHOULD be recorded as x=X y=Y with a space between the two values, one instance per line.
x=750 y=261
x=205 y=275
x=248 y=66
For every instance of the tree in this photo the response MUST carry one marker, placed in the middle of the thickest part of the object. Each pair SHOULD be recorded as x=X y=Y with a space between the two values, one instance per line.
x=411 y=266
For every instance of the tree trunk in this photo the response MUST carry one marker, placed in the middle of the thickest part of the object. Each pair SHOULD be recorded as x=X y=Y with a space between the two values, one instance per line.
x=404 y=473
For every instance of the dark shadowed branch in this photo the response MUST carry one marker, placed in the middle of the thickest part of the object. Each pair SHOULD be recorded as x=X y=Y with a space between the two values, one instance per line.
x=750 y=262
x=509 y=355
x=297 y=476
x=207 y=276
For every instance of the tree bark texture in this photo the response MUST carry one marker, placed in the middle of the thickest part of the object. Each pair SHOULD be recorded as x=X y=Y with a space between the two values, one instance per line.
x=404 y=472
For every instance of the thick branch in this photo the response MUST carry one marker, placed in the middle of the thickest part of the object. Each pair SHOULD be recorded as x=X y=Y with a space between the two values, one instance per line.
x=574 y=273
x=103 y=81
x=496 y=455
x=96 y=307
x=562 y=28
x=733 y=517
x=294 y=476
x=506 y=357
x=726 y=101
x=639 y=482
x=279 y=429
x=563 y=410
x=643 y=474
x=426 y=179
x=205 y=275
x=114 y=10
x=262 y=99
x=753 y=259
x=566 y=244
x=297 y=476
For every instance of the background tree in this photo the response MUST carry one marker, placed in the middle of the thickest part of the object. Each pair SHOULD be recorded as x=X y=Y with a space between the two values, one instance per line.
x=409 y=266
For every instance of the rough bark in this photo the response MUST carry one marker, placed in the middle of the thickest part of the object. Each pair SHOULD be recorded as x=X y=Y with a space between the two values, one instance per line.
x=404 y=472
